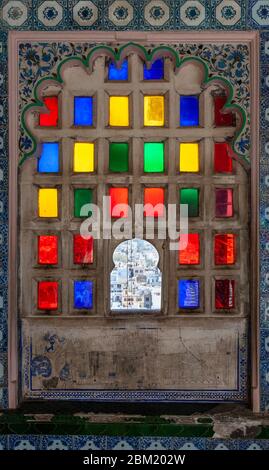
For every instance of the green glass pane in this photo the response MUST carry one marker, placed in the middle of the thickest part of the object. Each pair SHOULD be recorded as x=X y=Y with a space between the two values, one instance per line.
x=190 y=196
x=118 y=157
x=154 y=157
x=81 y=197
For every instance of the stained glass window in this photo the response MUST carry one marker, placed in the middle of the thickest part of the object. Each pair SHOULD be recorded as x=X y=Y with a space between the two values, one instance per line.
x=154 y=202
x=190 y=254
x=48 y=202
x=153 y=157
x=224 y=202
x=189 y=157
x=224 y=294
x=82 y=196
x=48 y=161
x=156 y=70
x=189 y=111
x=50 y=117
x=83 y=157
x=188 y=293
x=83 y=110
x=47 y=295
x=83 y=249
x=47 y=249
x=224 y=248
x=190 y=196
x=118 y=72
x=223 y=117
x=83 y=294
x=118 y=157
x=153 y=110
x=119 y=197
x=223 y=158
x=119 y=111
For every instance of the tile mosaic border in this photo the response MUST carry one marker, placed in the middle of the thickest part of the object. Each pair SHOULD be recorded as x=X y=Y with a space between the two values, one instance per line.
x=254 y=14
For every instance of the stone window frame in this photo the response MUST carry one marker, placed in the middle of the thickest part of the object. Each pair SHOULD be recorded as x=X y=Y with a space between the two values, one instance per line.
x=144 y=38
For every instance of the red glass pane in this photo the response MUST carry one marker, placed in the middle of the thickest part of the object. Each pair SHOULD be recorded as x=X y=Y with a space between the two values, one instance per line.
x=83 y=250
x=118 y=196
x=47 y=295
x=48 y=249
x=49 y=118
x=222 y=118
x=224 y=203
x=223 y=162
x=154 y=197
x=224 y=248
x=190 y=254
x=224 y=293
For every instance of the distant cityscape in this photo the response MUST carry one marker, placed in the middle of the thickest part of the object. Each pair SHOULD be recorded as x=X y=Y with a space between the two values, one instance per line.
x=136 y=279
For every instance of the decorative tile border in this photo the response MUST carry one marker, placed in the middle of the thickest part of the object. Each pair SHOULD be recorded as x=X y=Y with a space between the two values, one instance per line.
x=143 y=15
x=60 y=442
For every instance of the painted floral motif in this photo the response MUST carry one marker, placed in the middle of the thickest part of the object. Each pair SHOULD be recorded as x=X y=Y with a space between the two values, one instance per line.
x=263 y=12
x=85 y=13
x=120 y=13
x=192 y=13
x=156 y=12
x=50 y=13
x=15 y=13
x=228 y=12
x=226 y=60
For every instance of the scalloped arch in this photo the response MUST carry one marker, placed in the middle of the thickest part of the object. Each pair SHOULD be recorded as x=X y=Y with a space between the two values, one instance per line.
x=118 y=55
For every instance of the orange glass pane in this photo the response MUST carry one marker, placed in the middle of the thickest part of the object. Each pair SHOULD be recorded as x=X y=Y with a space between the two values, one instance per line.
x=154 y=200
x=49 y=119
x=190 y=254
x=118 y=197
x=224 y=249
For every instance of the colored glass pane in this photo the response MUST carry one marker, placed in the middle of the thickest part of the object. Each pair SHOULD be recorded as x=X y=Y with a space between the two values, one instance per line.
x=188 y=293
x=189 y=157
x=50 y=118
x=222 y=118
x=83 y=294
x=48 y=161
x=191 y=253
x=153 y=157
x=224 y=293
x=154 y=202
x=119 y=111
x=48 y=202
x=189 y=111
x=82 y=196
x=223 y=158
x=118 y=73
x=118 y=157
x=83 y=111
x=83 y=157
x=224 y=202
x=118 y=202
x=153 y=110
x=47 y=249
x=190 y=196
x=156 y=70
x=83 y=250
x=47 y=295
x=224 y=248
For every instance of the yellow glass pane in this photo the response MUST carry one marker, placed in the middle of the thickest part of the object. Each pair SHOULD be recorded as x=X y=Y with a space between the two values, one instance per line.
x=153 y=110
x=189 y=157
x=119 y=111
x=48 y=202
x=83 y=157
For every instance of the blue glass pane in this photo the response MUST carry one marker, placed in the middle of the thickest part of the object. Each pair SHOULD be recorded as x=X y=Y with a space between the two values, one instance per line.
x=156 y=71
x=83 y=294
x=48 y=161
x=115 y=73
x=188 y=293
x=189 y=111
x=83 y=110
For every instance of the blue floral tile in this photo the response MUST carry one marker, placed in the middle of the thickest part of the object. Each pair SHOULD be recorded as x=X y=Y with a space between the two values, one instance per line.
x=122 y=443
x=3 y=398
x=89 y=442
x=228 y=14
x=50 y=15
x=85 y=14
x=3 y=207
x=16 y=14
x=264 y=399
x=3 y=442
x=222 y=444
x=3 y=174
x=3 y=369
x=121 y=14
x=3 y=77
x=192 y=14
x=172 y=443
x=3 y=142
x=3 y=110
x=258 y=16
x=157 y=14
x=23 y=442
x=3 y=325
x=254 y=444
x=56 y=443
x=264 y=48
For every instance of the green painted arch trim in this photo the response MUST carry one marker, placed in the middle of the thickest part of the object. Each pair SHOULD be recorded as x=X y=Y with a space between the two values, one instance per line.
x=118 y=55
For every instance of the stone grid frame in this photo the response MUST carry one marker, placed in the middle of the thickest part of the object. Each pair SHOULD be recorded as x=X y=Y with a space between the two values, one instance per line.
x=244 y=15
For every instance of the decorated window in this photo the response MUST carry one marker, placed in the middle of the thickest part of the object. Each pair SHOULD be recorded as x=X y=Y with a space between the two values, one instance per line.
x=136 y=126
